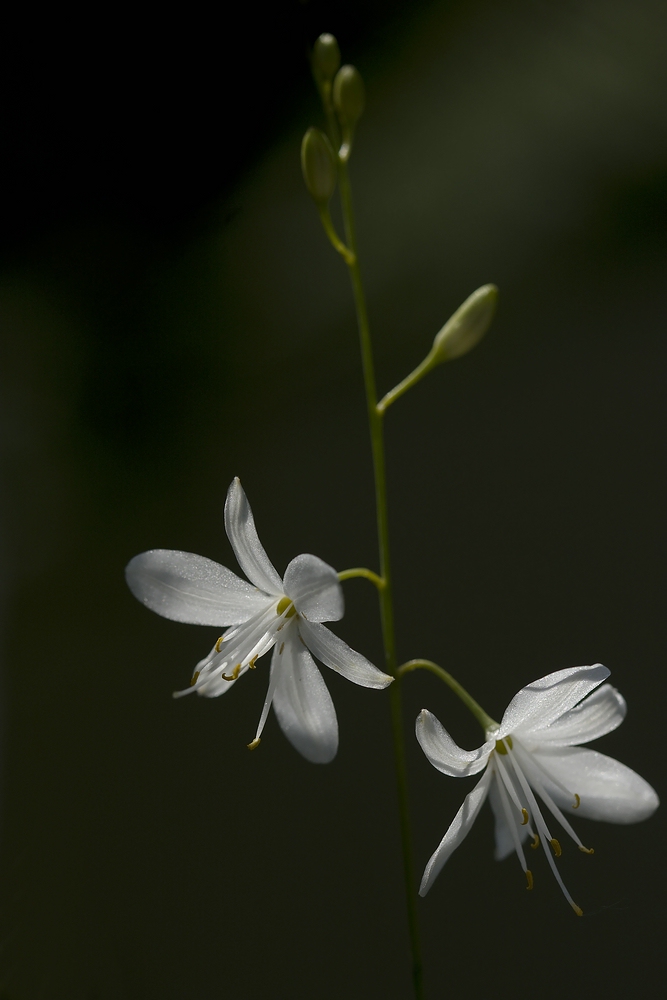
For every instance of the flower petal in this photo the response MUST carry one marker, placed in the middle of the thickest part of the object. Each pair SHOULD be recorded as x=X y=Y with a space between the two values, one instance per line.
x=607 y=789
x=314 y=587
x=302 y=703
x=336 y=654
x=545 y=700
x=457 y=832
x=242 y=534
x=503 y=834
x=598 y=714
x=443 y=752
x=190 y=588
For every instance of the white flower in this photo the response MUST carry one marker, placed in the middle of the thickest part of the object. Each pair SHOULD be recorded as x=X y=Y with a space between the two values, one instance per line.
x=536 y=750
x=285 y=615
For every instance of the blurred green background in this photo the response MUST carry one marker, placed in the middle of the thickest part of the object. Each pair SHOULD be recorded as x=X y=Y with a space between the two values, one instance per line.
x=171 y=317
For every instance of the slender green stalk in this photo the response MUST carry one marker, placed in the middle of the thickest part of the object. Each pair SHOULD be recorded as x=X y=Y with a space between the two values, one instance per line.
x=350 y=574
x=407 y=383
x=385 y=592
x=485 y=721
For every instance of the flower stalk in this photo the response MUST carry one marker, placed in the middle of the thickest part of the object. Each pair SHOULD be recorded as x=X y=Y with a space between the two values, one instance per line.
x=376 y=428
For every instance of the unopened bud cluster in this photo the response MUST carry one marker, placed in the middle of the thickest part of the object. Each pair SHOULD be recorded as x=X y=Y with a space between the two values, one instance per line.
x=342 y=92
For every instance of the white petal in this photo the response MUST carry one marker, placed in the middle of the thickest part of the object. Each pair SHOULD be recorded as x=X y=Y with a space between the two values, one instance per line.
x=336 y=654
x=444 y=753
x=302 y=703
x=608 y=790
x=315 y=589
x=595 y=716
x=190 y=588
x=504 y=839
x=545 y=700
x=242 y=534
x=457 y=832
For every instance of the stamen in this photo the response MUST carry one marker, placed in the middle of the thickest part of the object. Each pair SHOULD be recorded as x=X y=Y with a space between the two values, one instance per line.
x=255 y=743
x=524 y=813
x=586 y=850
x=536 y=842
x=194 y=678
x=556 y=846
x=218 y=645
x=280 y=651
x=577 y=801
x=234 y=674
x=577 y=909
x=528 y=762
x=502 y=745
x=529 y=878
x=252 y=664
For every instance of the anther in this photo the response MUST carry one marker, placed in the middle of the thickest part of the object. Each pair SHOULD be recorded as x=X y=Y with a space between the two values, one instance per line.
x=194 y=678
x=253 y=662
x=280 y=651
x=556 y=846
x=218 y=645
x=536 y=842
x=254 y=744
x=586 y=850
x=234 y=674
x=577 y=909
x=529 y=878
x=577 y=801
x=524 y=813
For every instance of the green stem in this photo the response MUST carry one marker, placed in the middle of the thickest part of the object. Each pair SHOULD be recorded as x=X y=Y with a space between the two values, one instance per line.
x=385 y=593
x=350 y=574
x=485 y=721
x=407 y=383
x=334 y=238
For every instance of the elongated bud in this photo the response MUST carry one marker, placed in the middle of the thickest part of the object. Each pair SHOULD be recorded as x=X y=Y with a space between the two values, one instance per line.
x=326 y=57
x=467 y=326
x=349 y=96
x=318 y=163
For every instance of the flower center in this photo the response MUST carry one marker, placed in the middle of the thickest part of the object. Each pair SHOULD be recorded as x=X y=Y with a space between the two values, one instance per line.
x=501 y=747
x=285 y=604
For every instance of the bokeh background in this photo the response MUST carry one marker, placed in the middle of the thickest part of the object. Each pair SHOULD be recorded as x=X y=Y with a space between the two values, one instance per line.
x=171 y=317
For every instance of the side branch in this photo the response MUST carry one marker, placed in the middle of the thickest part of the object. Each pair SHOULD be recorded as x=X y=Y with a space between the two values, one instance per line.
x=485 y=721
x=368 y=574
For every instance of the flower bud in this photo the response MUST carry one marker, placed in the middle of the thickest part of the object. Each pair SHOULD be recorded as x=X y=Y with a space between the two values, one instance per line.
x=318 y=163
x=348 y=95
x=467 y=326
x=326 y=57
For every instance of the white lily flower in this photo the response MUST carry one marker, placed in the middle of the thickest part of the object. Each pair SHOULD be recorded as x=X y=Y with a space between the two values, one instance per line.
x=266 y=613
x=535 y=749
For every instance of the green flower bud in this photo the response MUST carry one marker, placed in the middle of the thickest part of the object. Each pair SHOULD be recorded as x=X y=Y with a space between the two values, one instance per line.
x=318 y=163
x=348 y=95
x=466 y=327
x=326 y=57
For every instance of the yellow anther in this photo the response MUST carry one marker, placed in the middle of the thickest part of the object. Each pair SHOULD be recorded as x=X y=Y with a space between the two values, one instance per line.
x=556 y=846
x=586 y=850
x=234 y=674
x=194 y=679
x=253 y=663
x=577 y=801
x=254 y=744
x=283 y=605
x=529 y=879
x=280 y=651
x=218 y=645
x=536 y=842
x=577 y=909
x=524 y=813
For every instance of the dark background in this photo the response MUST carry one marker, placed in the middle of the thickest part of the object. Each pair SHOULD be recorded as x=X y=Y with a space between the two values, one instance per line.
x=172 y=316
